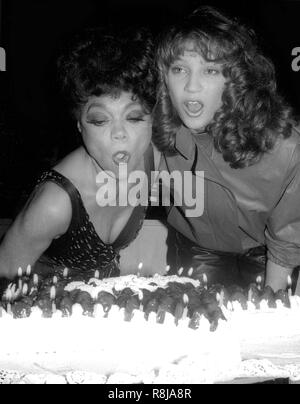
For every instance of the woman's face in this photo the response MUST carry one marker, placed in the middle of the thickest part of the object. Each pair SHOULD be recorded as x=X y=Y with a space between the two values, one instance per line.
x=116 y=131
x=195 y=87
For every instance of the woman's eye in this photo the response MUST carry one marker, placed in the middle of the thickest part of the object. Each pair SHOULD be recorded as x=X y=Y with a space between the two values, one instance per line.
x=135 y=118
x=97 y=122
x=212 y=72
x=177 y=70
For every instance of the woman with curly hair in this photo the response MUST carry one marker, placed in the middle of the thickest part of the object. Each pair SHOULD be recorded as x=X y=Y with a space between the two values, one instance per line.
x=219 y=112
x=109 y=82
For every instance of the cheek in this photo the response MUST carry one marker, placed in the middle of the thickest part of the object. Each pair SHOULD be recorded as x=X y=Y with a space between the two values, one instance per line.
x=216 y=96
x=96 y=143
x=174 y=90
x=221 y=90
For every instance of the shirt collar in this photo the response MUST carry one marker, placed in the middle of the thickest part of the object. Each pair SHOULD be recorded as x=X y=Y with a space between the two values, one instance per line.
x=186 y=141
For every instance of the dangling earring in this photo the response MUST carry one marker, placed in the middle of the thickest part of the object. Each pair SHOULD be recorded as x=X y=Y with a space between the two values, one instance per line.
x=78 y=126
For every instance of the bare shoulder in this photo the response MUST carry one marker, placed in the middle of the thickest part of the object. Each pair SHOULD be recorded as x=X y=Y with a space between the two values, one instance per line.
x=72 y=165
x=49 y=207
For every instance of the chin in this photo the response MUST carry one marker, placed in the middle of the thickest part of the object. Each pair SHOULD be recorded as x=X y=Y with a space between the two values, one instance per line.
x=193 y=123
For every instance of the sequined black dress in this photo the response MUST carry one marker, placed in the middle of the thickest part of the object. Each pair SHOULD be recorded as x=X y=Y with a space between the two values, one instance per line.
x=80 y=249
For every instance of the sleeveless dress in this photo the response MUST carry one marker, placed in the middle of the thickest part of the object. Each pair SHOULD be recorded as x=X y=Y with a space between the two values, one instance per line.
x=80 y=249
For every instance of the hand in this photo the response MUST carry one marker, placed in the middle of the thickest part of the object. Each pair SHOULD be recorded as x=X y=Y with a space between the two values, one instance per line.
x=277 y=276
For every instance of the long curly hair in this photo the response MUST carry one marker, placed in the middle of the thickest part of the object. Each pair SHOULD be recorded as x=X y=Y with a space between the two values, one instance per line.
x=107 y=61
x=253 y=115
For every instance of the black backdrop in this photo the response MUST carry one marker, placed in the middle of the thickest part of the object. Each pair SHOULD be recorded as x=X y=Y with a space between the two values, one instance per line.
x=35 y=130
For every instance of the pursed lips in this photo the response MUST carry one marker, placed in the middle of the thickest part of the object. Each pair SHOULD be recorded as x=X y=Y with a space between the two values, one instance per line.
x=121 y=157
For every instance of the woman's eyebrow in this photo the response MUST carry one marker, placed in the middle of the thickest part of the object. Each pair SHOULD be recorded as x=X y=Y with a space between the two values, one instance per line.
x=136 y=106
x=96 y=105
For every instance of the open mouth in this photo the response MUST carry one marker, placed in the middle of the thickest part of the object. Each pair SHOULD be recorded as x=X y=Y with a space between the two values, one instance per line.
x=121 y=157
x=193 y=108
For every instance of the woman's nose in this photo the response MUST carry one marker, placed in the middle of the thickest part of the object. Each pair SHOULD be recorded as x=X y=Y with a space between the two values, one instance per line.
x=194 y=83
x=119 y=132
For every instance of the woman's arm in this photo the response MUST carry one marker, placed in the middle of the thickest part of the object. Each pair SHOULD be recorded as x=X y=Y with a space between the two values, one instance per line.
x=277 y=276
x=46 y=216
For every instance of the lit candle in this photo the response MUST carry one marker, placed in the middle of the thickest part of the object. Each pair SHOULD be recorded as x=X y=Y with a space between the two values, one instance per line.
x=52 y=298
x=190 y=273
x=28 y=271
x=250 y=295
x=258 y=282
x=205 y=281
x=140 y=267
x=52 y=292
x=25 y=289
x=289 y=285
x=220 y=298
x=141 y=297
x=97 y=274
x=185 y=302
x=35 y=280
x=66 y=273
x=180 y=271
x=8 y=297
x=13 y=292
x=20 y=274
x=168 y=268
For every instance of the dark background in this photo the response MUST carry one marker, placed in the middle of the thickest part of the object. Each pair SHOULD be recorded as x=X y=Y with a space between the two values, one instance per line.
x=35 y=130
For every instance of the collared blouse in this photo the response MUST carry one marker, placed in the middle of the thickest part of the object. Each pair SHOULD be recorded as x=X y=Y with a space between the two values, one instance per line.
x=243 y=208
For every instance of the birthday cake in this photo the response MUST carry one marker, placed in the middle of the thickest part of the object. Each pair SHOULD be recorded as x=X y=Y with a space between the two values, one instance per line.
x=131 y=329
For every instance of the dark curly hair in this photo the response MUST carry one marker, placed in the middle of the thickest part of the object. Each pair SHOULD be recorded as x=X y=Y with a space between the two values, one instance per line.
x=253 y=115
x=104 y=61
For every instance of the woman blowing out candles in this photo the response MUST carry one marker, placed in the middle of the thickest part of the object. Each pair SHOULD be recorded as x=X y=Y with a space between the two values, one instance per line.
x=109 y=82
x=219 y=112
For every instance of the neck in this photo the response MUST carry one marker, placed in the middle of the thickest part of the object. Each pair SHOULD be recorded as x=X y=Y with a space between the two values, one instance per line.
x=198 y=131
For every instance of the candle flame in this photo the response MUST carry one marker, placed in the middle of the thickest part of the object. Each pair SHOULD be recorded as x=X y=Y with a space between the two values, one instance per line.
x=66 y=272
x=185 y=299
x=191 y=271
x=28 y=270
x=258 y=282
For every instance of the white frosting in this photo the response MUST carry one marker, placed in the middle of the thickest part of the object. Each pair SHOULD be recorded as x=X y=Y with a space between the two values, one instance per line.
x=119 y=351
x=132 y=282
